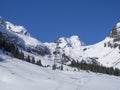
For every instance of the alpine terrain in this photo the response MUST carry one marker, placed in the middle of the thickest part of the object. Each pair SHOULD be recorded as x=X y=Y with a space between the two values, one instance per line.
x=28 y=64
x=105 y=52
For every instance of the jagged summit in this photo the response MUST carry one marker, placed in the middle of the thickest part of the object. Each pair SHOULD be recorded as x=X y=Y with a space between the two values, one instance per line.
x=16 y=28
x=116 y=31
x=118 y=24
x=75 y=40
x=72 y=41
x=2 y=22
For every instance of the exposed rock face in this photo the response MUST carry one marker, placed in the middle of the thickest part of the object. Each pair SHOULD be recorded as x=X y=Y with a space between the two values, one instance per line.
x=116 y=31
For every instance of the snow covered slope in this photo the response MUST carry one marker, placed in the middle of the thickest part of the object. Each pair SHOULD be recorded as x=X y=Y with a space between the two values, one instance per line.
x=21 y=38
x=67 y=46
x=20 y=75
x=16 y=74
x=106 y=52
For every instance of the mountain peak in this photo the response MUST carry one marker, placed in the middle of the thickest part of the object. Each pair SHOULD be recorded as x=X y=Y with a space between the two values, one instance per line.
x=16 y=28
x=2 y=22
x=116 y=31
x=19 y=36
x=118 y=24
x=75 y=41
x=74 y=37
x=72 y=41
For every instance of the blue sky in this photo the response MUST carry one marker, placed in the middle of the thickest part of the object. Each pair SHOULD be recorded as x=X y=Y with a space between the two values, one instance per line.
x=47 y=20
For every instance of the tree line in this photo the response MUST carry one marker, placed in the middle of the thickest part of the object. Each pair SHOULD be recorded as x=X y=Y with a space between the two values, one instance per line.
x=8 y=46
x=95 y=68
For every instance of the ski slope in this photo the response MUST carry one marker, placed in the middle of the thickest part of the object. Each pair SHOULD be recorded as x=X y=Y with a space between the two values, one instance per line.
x=20 y=75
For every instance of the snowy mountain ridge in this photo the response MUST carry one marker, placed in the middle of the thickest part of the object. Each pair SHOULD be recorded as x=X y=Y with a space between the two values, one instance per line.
x=73 y=41
x=16 y=29
x=17 y=74
x=20 y=36
x=105 y=53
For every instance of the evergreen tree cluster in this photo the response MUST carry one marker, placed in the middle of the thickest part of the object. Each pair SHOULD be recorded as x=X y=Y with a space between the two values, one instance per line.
x=95 y=68
x=31 y=59
x=5 y=45
x=39 y=63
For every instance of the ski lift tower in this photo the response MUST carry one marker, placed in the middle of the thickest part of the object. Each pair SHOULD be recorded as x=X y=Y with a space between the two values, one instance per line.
x=57 y=55
x=62 y=60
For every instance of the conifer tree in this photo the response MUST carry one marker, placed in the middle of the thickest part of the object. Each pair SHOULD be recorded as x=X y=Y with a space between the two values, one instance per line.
x=39 y=63
x=21 y=55
x=28 y=58
x=33 y=60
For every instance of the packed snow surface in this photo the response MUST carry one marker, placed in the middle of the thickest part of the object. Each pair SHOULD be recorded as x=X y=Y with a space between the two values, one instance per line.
x=20 y=75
